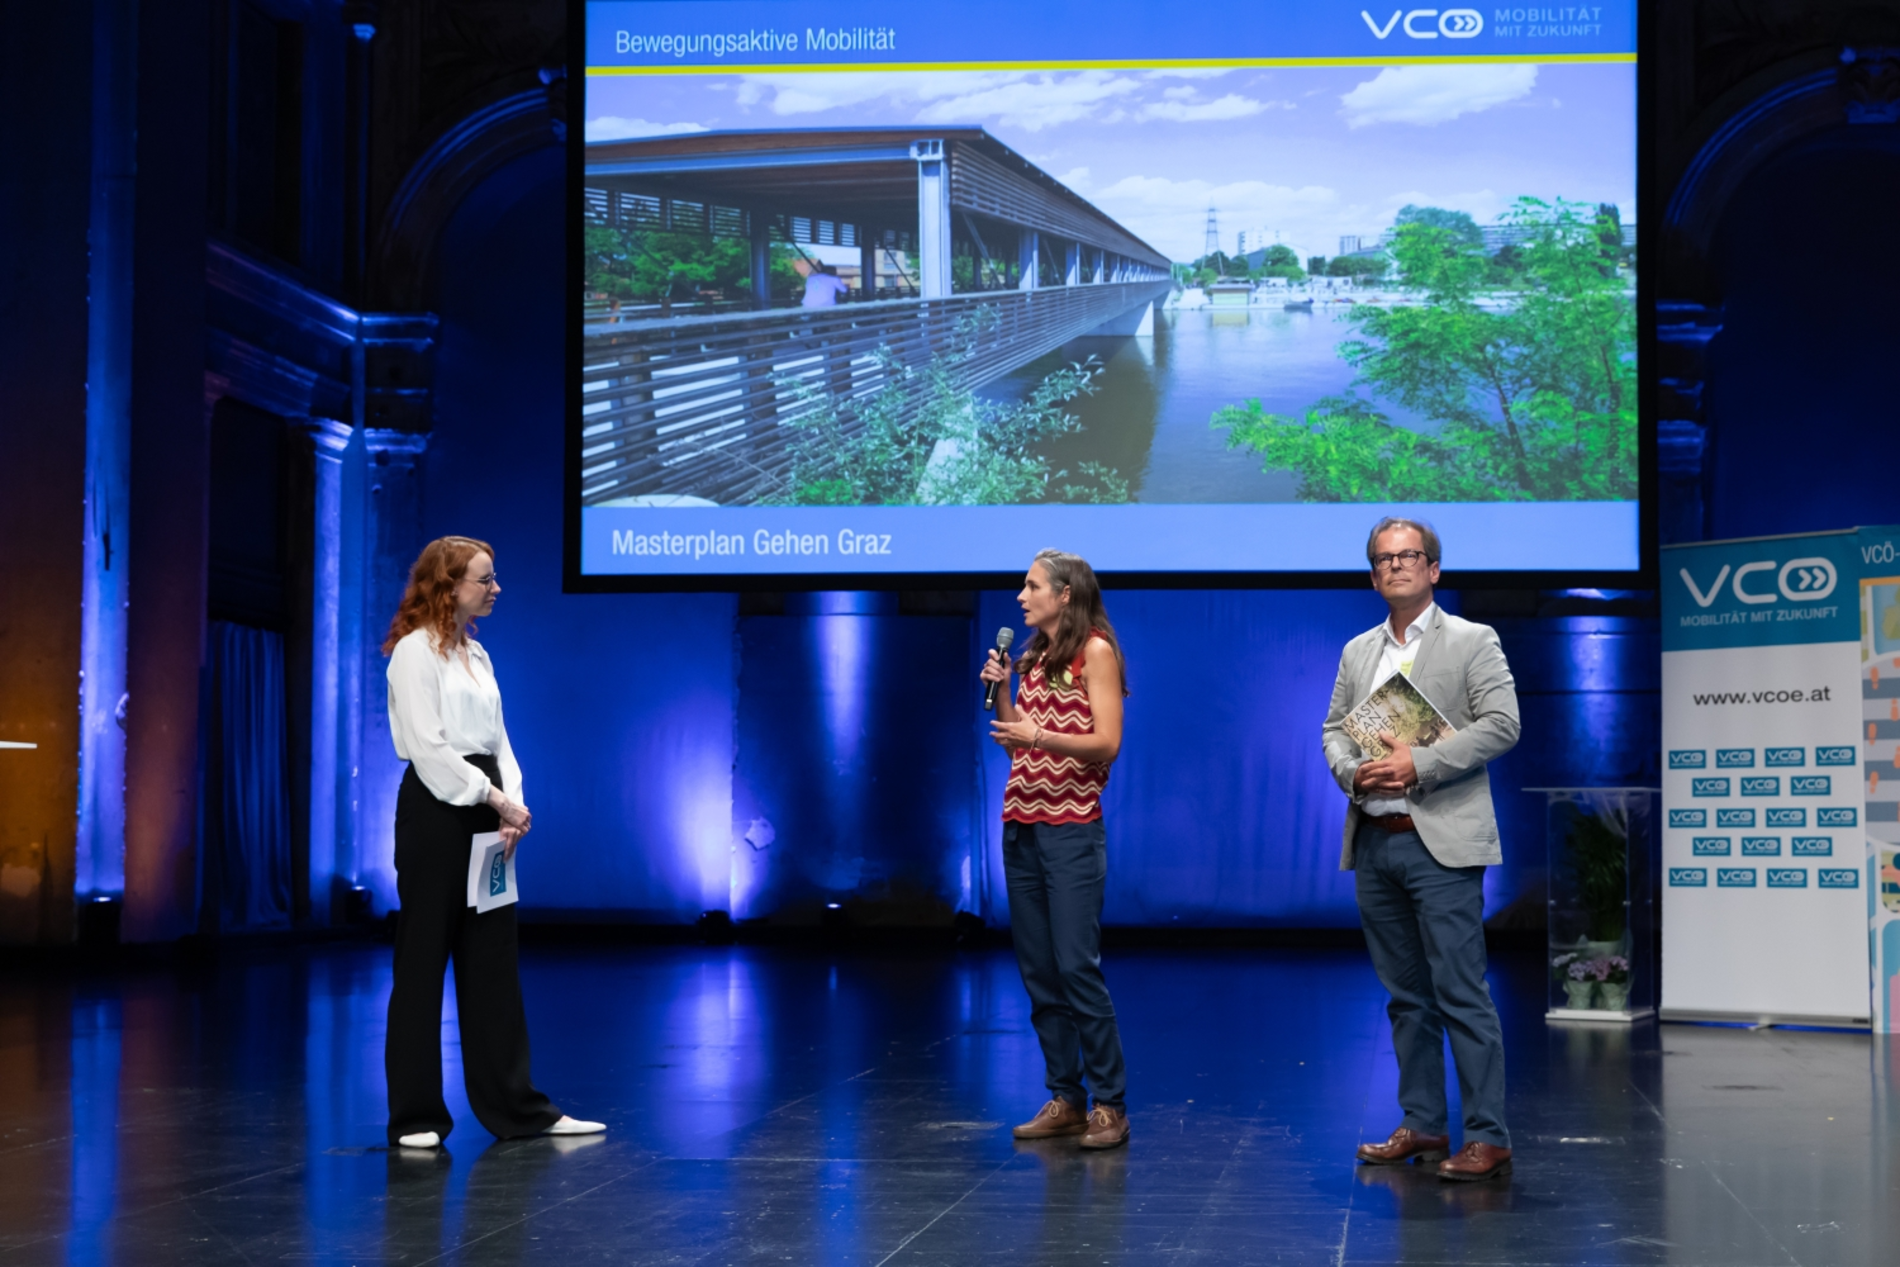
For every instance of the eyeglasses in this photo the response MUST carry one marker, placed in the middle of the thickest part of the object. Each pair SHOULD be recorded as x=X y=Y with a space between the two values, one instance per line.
x=489 y=582
x=1406 y=559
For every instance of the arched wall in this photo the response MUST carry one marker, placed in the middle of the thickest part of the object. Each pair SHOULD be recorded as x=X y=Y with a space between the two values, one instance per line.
x=1772 y=317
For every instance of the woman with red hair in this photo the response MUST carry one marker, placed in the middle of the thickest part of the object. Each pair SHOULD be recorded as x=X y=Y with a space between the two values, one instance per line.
x=445 y=718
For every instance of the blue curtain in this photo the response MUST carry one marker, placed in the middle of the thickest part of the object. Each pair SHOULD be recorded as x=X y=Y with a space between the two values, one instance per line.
x=1221 y=811
x=246 y=805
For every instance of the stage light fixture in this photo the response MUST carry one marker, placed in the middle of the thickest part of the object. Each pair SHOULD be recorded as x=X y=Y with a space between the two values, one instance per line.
x=715 y=928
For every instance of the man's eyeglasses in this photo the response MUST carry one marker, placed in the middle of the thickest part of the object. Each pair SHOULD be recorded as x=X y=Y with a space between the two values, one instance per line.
x=1407 y=559
x=489 y=582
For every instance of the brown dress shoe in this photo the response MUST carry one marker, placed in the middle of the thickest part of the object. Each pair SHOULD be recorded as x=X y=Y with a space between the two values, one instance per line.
x=1405 y=1145
x=1058 y=1117
x=1108 y=1128
x=1477 y=1160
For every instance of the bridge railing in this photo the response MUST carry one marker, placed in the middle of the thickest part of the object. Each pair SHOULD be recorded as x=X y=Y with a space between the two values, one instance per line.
x=697 y=406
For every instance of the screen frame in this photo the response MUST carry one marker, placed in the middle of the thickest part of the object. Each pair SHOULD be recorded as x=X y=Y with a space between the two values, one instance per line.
x=575 y=581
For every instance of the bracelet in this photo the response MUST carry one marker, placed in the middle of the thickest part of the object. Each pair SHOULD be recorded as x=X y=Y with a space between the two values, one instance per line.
x=1037 y=741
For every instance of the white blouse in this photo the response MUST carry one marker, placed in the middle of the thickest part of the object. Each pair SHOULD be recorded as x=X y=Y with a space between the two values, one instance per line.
x=441 y=711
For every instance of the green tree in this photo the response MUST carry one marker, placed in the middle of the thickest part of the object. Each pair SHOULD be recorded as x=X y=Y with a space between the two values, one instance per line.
x=1610 y=231
x=1281 y=261
x=1316 y=265
x=1536 y=402
x=636 y=264
x=926 y=440
x=1357 y=266
x=1463 y=229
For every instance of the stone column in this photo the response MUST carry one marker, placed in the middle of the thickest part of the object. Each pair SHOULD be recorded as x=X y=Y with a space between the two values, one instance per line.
x=393 y=537
x=360 y=19
x=329 y=440
x=100 y=863
x=170 y=467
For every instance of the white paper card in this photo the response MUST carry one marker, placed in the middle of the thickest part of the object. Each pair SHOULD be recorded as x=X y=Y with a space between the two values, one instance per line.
x=491 y=873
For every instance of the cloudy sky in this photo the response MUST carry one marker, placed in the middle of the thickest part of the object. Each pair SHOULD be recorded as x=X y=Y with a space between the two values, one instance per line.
x=1307 y=153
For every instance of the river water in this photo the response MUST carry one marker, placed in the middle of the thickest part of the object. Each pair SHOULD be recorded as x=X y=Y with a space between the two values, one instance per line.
x=1150 y=420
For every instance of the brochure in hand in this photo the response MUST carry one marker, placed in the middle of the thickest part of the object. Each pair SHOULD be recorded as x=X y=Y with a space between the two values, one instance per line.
x=491 y=873
x=1397 y=706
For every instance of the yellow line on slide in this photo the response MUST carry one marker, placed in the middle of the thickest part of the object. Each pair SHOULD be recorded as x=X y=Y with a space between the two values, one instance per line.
x=1224 y=63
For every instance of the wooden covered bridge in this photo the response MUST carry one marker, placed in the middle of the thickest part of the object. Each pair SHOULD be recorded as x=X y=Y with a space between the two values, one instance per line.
x=691 y=405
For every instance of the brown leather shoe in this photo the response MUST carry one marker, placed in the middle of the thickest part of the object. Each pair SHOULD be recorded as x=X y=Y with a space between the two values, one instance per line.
x=1405 y=1145
x=1058 y=1117
x=1108 y=1128
x=1477 y=1160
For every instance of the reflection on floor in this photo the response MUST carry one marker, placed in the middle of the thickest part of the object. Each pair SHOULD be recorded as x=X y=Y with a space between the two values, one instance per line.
x=771 y=1106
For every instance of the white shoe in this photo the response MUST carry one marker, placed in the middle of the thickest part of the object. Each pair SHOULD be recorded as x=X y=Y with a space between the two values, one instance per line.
x=574 y=1126
x=421 y=1139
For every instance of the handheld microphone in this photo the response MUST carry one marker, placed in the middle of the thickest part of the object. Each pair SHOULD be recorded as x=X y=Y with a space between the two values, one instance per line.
x=1004 y=637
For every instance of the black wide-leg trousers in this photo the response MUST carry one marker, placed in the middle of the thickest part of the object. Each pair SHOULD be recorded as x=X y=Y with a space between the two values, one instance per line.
x=436 y=923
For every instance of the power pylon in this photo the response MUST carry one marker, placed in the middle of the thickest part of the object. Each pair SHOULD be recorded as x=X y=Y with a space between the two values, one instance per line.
x=1213 y=233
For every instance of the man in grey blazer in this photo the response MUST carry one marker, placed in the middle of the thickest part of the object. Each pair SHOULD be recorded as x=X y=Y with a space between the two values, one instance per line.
x=1420 y=831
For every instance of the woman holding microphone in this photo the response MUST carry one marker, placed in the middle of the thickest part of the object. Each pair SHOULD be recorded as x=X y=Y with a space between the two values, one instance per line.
x=445 y=718
x=1063 y=731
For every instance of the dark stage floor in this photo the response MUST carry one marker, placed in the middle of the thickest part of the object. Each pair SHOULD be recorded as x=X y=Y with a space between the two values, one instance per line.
x=775 y=1106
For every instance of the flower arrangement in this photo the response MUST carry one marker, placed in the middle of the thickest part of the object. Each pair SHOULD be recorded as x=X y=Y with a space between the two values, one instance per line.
x=1593 y=982
x=1615 y=969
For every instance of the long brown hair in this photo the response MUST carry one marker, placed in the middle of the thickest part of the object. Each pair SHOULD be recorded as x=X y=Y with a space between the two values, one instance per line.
x=1083 y=615
x=429 y=601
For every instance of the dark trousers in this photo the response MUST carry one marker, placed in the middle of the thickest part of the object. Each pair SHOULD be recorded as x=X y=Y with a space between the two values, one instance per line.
x=1056 y=878
x=1424 y=925
x=436 y=922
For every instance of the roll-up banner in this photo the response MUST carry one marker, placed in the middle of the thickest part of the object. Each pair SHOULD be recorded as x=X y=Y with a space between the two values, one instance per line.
x=1765 y=877
x=1880 y=757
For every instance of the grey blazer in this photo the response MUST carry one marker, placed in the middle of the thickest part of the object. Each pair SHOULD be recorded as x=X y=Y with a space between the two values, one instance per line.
x=1459 y=667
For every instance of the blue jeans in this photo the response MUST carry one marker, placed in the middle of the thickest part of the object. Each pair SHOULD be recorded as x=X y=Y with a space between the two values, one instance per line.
x=1056 y=878
x=1424 y=926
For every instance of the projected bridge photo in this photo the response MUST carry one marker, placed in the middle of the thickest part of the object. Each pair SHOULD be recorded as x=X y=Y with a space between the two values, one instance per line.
x=972 y=262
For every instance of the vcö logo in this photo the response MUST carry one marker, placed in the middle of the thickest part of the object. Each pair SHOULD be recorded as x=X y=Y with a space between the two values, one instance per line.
x=1688 y=758
x=1708 y=787
x=1735 y=817
x=1688 y=818
x=1796 y=817
x=1812 y=846
x=1734 y=758
x=1798 y=580
x=1836 y=816
x=1709 y=846
x=1761 y=846
x=1689 y=877
x=1453 y=24
x=1843 y=755
x=1837 y=878
x=1772 y=757
x=1787 y=878
x=1809 y=784
x=1735 y=877
x=1762 y=785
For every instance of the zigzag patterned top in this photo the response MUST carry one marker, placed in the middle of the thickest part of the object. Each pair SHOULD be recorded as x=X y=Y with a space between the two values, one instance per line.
x=1044 y=787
